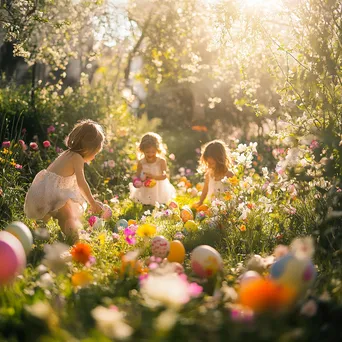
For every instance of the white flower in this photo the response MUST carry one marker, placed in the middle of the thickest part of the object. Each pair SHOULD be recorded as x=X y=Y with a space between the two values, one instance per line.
x=111 y=163
x=56 y=257
x=253 y=146
x=168 y=290
x=111 y=323
x=303 y=248
x=46 y=281
x=265 y=172
x=147 y=212
x=241 y=148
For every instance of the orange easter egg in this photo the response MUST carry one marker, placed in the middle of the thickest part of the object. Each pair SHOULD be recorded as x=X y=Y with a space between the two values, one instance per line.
x=203 y=207
x=132 y=222
x=186 y=214
x=177 y=252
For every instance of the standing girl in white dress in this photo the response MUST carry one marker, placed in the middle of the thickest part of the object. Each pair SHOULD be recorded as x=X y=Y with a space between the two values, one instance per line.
x=60 y=191
x=152 y=171
x=217 y=162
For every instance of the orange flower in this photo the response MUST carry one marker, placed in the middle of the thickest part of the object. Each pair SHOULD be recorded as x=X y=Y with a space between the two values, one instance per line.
x=81 y=252
x=243 y=228
x=81 y=278
x=265 y=295
x=227 y=196
x=250 y=205
x=199 y=128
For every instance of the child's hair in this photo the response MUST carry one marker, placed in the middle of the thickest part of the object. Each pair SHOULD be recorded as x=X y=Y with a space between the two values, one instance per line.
x=217 y=150
x=86 y=138
x=151 y=139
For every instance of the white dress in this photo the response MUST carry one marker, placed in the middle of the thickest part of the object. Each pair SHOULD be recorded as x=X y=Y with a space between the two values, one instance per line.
x=162 y=192
x=49 y=192
x=215 y=188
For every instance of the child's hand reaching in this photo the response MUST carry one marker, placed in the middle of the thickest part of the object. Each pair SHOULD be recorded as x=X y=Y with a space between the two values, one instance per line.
x=149 y=175
x=96 y=207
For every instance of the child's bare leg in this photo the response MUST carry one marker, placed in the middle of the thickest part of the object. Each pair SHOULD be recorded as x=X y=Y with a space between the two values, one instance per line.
x=68 y=222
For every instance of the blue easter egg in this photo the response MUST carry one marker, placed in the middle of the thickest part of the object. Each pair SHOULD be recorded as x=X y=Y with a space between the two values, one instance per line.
x=295 y=272
x=121 y=224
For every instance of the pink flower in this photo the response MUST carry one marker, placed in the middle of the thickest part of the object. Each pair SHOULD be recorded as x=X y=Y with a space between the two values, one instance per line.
x=172 y=156
x=6 y=144
x=115 y=236
x=129 y=235
x=24 y=130
x=314 y=144
x=309 y=309
x=46 y=143
x=92 y=220
x=59 y=150
x=23 y=145
x=195 y=290
x=34 y=146
x=18 y=166
x=51 y=129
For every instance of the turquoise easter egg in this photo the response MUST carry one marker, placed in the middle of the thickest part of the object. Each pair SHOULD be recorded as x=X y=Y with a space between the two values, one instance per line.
x=12 y=257
x=22 y=233
x=121 y=224
x=296 y=272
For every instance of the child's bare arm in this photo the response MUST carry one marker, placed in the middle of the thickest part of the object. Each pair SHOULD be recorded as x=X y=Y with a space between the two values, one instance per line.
x=139 y=169
x=78 y=164
x=205 y=189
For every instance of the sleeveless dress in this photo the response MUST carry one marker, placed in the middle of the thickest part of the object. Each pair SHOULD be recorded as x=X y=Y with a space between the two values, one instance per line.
x=162 y=192
x=49 y=192
x=215 y=188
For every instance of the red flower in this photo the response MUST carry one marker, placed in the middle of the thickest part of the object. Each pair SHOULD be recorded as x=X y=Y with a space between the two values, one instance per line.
x=81 y=252
x=46 y=143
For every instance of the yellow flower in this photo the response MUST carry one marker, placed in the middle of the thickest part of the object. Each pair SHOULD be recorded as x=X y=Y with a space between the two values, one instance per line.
x=81 y=278
x=106 y=181
x=146 y=230
x=2 y=160
x=233 y=180
x=134 y=167
x=102 y=238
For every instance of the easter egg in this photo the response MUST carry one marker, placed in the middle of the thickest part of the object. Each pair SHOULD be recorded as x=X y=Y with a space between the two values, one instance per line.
x=130 y=222
x=186 y=214
x=249 y=276
x=173 y=205
x=150 y=183
x=206 y=261
x=22 y=233
x=289 y=270
x=194 y=192
x=203 y=207
x=99 y=223
x=177 y=252
x=121 y=224
x=137 y=182
x=12 y=257
x=160 y=246
x=107 y=212
x=191 y=226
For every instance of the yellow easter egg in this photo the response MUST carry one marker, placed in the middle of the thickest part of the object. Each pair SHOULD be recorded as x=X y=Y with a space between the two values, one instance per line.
x=177 y=252
x=191 y=226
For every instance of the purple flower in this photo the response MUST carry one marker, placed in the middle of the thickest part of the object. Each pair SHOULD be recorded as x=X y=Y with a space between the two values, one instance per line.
x=51 y=129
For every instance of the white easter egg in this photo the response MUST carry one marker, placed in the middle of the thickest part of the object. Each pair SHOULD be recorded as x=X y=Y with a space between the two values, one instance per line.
x=160 y=246
x=248 y=276
x=22 y=233
x=107 y=212
x=206 y=261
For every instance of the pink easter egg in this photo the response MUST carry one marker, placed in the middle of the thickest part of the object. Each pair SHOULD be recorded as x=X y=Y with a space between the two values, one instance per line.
x=12 y=257
x=160 y=246
x=137 y=182
x=107 y=212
